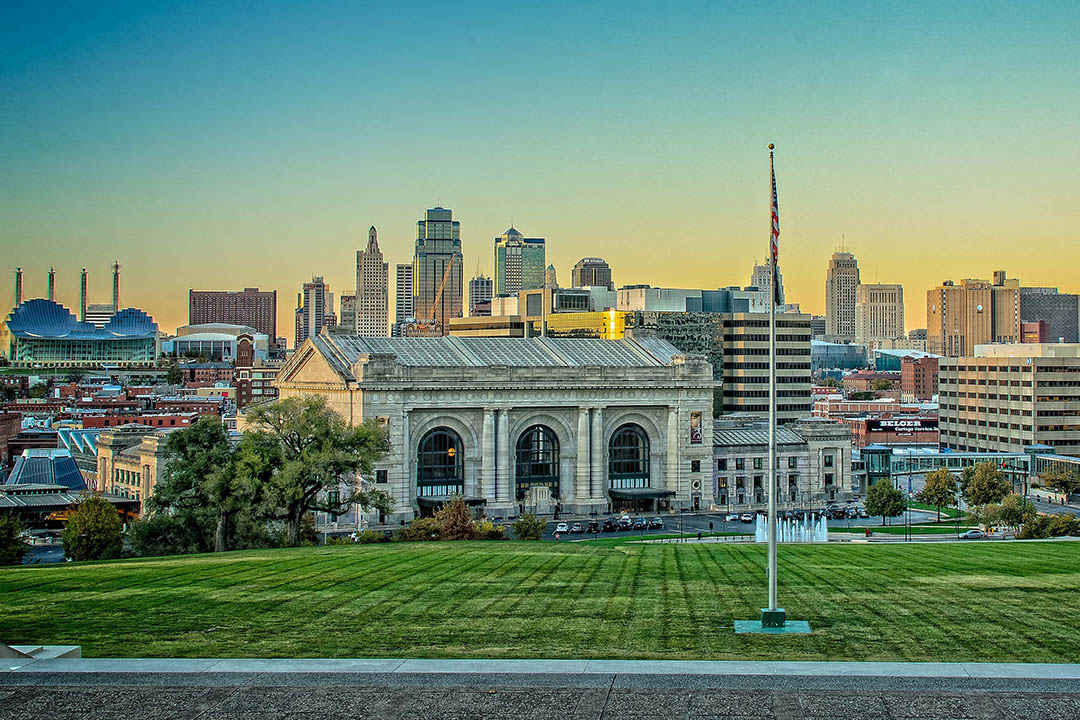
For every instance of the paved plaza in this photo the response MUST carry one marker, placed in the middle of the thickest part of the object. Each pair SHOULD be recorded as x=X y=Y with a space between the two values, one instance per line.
x=161 y=689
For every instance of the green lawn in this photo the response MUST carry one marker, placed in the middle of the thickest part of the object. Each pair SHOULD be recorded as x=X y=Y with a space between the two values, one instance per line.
x=999 y=602
x=900 y=530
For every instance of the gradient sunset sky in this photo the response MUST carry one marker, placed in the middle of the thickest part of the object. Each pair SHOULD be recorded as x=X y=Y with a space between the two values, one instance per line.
x=221 y=145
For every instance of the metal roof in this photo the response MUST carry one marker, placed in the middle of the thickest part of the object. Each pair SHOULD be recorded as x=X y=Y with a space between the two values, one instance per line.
x=40 y=318
x=342 y=350
x=47 y=466
x=754 y=436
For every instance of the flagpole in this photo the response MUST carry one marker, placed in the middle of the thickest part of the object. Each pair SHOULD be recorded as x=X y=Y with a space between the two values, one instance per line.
x=772 y=393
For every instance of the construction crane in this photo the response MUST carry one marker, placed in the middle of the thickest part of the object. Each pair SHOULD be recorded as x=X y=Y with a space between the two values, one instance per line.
x=426 y=326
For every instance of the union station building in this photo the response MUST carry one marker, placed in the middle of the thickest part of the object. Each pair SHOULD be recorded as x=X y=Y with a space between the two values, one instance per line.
x=522 y=424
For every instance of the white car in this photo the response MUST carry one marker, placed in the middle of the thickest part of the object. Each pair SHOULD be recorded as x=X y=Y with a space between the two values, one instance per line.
x=562 y=528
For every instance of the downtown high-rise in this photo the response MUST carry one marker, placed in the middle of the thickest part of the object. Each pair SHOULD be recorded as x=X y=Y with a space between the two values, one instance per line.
x=372 y=279
x=403 y=298
x=879 y=314
x=591 y=272
x=841 y=281
x=437 y=269
x=520 y=263
x=312 y=306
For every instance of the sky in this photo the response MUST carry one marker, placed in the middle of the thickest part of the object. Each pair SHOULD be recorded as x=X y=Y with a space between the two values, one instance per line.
x=222 y=145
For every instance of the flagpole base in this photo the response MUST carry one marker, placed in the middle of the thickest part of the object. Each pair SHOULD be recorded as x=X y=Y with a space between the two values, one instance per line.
x=773 y=622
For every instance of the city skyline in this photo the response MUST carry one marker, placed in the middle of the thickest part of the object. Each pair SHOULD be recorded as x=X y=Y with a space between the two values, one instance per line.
x=245 y=151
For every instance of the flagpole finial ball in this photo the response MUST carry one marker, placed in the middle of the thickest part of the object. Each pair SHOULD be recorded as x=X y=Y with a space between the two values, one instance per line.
x=771 y=146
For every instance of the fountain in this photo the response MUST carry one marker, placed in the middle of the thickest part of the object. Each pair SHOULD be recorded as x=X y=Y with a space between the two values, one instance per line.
x=793 y=531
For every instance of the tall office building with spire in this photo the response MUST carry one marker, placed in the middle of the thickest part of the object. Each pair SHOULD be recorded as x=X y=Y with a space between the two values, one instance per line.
x=760 y=279
x=437 y=269
x=519 y=263
x=372 y=280
x=841 y=281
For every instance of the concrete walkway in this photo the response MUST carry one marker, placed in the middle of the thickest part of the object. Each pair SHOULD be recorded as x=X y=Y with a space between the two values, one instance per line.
x=535 y=689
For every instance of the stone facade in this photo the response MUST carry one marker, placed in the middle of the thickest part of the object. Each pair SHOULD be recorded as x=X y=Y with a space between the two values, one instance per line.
x=131 y=459
x=490 y=392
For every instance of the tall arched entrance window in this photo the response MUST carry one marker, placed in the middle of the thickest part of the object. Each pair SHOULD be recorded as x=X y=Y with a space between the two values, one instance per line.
x=537 y=461
x=629 y=473
x=440 y=464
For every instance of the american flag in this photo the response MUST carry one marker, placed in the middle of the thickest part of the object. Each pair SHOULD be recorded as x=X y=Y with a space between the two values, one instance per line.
x=774 y=241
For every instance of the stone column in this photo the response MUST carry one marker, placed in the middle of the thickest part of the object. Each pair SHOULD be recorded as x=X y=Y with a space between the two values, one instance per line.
x=503 y=481
x=598 y=455
x=581 y=475
x=487 y=457
x=673 y=453
x=404 y=490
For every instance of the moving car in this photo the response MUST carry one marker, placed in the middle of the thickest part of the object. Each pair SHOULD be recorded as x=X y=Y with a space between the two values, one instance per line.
x=746 y=518
x=562 y=528
x=972 y=535
x=656 y=523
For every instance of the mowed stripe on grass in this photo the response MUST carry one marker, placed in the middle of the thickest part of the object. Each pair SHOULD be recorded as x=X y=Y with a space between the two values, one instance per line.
x=988 y=601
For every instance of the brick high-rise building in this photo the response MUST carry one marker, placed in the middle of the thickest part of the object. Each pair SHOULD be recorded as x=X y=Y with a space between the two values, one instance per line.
x=841 y=280
x=372 y=279
x=975 y=312
x=591 y=272
x=250 y=306
x=918 y=378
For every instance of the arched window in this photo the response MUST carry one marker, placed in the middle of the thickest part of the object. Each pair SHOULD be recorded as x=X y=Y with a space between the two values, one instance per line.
x=537 y=461
x=628 y=457
x=440 y=464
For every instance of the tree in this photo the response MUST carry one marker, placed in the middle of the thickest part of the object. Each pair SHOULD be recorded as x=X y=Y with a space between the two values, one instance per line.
x=885 y=500
x=173 y=376
x=455 y=520
x=1015 y=511
x=862 y=395
x=94 y=531
x=12 y=546
x=529 y=527
x=879 y=384
x=1066 y=481
x=312 y=461
x=939 y=490
x=984 y=484
x=199 y=472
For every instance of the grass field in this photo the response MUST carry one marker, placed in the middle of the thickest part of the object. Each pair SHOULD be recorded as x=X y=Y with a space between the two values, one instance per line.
x=1000 y=602
x=901 y=530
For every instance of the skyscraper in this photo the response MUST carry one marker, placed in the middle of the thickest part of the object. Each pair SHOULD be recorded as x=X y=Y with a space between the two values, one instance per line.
x=519 y=263
x=437 y=272
x=591 y=272
x=311 y=309
x=347 y=310
x=480 y=296
x=372 y=278
x=840 y=282
x=403 y=298
x=250 y=306
x=879 y=314
x=975 y=312
x=760 y=279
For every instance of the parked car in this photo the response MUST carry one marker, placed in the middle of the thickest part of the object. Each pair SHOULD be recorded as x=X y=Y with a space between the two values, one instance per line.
x=787 y=515
x=838 y=514
x=656 y=523
x=732 y=517
x=641 y=524
x=862 y=512
x=746 y=518
x=593 y=527
x=562 y=528
x=972 y=535
x=625 y=523
x=575 y=528
x=609 y=525
x=851 y=513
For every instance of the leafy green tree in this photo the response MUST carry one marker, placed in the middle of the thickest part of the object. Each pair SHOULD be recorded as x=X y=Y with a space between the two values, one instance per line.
x=881 y=384
x=94 y=531
x=199 y=478
x=313 y=461
x=1015 y=511
x=984 y=484
x=420 y=530
x=12 y=546
x=173 y=376
x=1066 y=481
x=529 y=527
x=862 y=395
x=939 y=490
x=885 y=500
